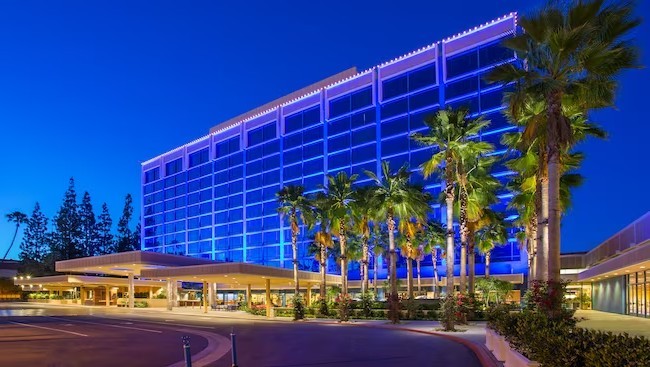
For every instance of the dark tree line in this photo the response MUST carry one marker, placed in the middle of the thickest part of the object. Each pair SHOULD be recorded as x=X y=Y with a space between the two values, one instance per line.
x=75 y=232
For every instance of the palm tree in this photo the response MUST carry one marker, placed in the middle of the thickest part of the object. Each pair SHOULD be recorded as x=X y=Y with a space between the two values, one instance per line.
x=491 y=235
x=480 y=188
x=323 y=237
x=394 y=199
x=362 y=211
x=17 y=218
x=412 y=219
x=340 y=198
x=572 y=56
x=378 y=249
x=294 y=206
x=449 y=132
x=433 y=237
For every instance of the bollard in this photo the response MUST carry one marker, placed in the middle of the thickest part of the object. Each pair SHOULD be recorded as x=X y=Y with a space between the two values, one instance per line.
x=233 y=342
x=186 y=351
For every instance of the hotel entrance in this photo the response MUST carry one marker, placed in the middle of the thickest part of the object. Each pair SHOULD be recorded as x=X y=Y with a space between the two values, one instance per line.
x=638 y=294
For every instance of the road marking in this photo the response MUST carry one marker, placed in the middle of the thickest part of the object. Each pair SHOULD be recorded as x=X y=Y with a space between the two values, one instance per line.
x=47 y=328
x=166 y=323
x=109 y=325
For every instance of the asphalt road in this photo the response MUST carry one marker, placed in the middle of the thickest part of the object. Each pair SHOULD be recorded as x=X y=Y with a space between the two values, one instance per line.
x=33 y=335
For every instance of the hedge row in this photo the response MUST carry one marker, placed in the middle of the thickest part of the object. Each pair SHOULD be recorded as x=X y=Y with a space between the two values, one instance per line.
x=559 y=343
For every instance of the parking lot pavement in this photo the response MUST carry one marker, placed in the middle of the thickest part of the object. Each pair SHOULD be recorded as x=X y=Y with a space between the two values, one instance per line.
x=71 y=341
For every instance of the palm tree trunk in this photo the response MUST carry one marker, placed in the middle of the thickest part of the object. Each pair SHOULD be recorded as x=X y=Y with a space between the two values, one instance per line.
x=542 y=220
x=554 y=218
x=393 y=298
x=12 y=242
x=487 y=263
x=471 y=262
x=434 y=259
x=374 y=274
x=417 y=263
x=449 y=191
x=344 y=259
x=462 y=219
x=323 y=272
x=409 y=277
x=364 y=263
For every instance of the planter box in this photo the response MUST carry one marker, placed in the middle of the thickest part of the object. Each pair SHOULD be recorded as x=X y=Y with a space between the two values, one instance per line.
x=490 y=336
x=515 y=359
x=501 y=347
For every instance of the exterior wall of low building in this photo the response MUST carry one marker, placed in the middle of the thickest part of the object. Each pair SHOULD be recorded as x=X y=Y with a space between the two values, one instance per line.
x=610 y=295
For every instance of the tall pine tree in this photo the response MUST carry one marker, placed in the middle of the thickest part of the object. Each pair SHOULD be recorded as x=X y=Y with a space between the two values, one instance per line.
x=124 y=234
x=89 y=237
x=66 y=237
x=136 y=237
x=34 y=247
x=105 y=243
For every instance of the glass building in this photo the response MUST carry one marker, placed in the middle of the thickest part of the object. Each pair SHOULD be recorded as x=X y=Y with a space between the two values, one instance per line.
x=215 y=197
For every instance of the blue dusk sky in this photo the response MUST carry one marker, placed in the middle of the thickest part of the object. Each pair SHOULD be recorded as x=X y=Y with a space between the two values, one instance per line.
x=92 y=88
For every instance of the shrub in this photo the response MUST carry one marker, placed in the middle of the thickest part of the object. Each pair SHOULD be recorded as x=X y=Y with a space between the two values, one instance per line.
x=344 y=305
x=323 y=307
x=412 y=307
x=449 y=313
x=298 y=307
x=140 y=304
x=366 y=304
x=548 y=297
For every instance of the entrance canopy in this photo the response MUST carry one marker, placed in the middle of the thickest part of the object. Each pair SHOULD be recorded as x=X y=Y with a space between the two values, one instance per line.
x=123 y=263
x=56 y=282
x=238 y=275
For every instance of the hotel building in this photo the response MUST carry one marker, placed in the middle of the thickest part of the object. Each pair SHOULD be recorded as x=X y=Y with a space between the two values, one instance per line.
x=214 y=198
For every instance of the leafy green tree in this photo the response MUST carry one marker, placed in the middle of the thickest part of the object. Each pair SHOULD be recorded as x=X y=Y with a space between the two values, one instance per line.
x=294 y=206
x=449 y=133
x=17 y=218
x=410 y=224
x=573 y=56
x=124 y=241
x=105 y=240
x=34 y=247
x=89 y=235
x=65 y=240
x=136 y=236
x=379 y=241
x=340 y=198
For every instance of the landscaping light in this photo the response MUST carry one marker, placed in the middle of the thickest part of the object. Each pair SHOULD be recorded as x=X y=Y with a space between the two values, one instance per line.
x=15 y=278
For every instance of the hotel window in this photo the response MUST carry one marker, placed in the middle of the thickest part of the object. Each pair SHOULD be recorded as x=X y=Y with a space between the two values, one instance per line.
x=226 y=147
x=462 y=64
x=494 y=53
x=200 y=157
x=173 y=167
x=350 y=102
x=152 y=175
x=261 y=134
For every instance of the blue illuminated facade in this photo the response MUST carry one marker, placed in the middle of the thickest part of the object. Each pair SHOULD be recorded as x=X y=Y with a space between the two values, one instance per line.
x=215 y=197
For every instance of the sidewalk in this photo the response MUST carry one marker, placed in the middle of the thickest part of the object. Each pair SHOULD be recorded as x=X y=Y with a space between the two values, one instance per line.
x=616 y=323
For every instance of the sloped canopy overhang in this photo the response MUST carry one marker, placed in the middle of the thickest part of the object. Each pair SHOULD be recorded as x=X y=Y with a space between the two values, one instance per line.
x=123 y=263
x=66 y=281
x=239 y=275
